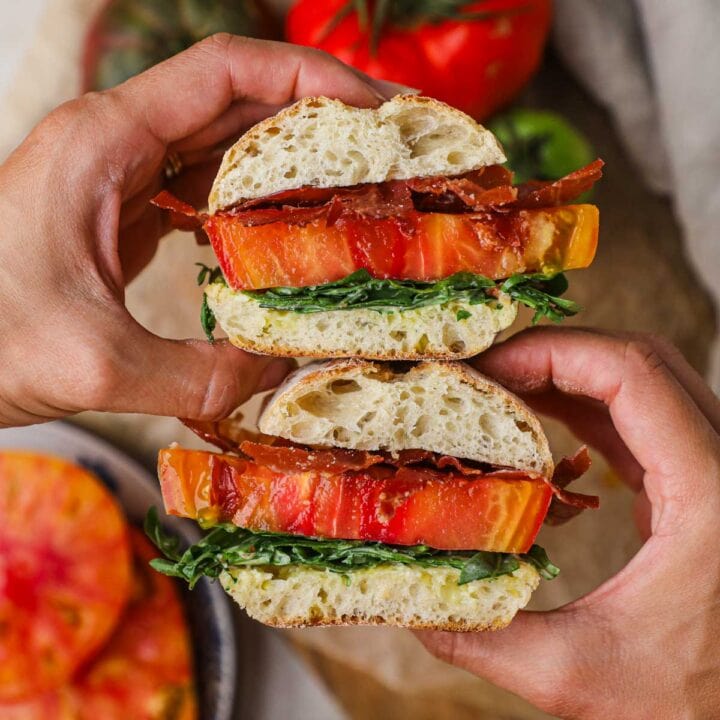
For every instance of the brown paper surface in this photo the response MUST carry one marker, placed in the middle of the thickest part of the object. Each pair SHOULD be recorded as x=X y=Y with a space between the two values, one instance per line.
x=639 y=281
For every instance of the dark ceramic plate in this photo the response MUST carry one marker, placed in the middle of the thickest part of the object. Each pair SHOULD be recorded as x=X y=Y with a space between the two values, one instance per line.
x=208 y=608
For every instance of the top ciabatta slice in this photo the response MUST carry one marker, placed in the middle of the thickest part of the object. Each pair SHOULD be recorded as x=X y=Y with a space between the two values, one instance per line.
x=322 y=142
x=444 y=407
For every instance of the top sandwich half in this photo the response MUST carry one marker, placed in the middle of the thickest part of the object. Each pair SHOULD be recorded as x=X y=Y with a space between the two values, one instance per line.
x=388 y=233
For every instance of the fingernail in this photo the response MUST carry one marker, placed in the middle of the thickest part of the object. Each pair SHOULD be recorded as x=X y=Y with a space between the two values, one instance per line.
x=275 y=373
x=387 y=89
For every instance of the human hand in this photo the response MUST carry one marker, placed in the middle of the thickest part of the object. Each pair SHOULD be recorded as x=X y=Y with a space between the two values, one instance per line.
x=77 y=227
x=645 y=643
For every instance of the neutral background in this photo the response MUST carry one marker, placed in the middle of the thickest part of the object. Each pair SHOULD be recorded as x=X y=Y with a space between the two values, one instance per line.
x=640 y=280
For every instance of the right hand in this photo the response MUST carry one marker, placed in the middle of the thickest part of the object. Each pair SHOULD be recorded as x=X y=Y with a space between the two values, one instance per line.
x=645 y=644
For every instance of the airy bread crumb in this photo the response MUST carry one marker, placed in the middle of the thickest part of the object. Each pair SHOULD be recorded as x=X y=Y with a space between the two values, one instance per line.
x=428 y=332
x=447 y=408
x=403 y=595
x=324 y=143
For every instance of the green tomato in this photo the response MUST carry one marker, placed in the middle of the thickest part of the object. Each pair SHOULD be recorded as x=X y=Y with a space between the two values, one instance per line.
x=129 y=36
x=540 y=145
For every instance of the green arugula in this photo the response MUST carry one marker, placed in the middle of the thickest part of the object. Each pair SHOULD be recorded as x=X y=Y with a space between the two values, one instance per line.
x=207 y=316
x=226 y=546
x=360 y=290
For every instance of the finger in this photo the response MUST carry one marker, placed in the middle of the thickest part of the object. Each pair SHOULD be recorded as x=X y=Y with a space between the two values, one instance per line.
x=527 y=658
x=656 y=418
x=589 y=420
x=686 y=375
x=144 y=224
x=238 y=118
x=387 y=88
x=182 y=378
x=183 y=95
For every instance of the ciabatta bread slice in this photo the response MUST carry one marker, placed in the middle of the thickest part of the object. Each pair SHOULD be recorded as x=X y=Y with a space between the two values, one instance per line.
x=404 y=595
x=324 y=143
x=428 y=332
x=444 y=407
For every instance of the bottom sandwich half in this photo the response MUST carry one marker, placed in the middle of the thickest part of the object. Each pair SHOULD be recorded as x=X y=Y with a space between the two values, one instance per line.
x=405 y=595
x=291 y=581
x=404 y=495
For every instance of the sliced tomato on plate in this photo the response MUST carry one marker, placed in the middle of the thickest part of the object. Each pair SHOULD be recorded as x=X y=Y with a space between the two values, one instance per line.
x=64 y=570
x=145 y=670
x=420 y=246
x=402 y=506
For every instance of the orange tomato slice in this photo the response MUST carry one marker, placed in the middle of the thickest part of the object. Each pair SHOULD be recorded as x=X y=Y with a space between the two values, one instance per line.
x=64 y=570
x=421 y=246
x=145 y=670
x=405 y=506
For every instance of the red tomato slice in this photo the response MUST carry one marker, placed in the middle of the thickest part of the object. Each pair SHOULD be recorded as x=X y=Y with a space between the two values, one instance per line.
x=64 y=570
x=421 y=246
x=398 y=506
x=145 y=670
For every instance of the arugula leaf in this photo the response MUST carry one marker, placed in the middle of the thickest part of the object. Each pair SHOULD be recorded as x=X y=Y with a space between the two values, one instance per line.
x=227 y=546
x=169 y=545
x=542 y=293
x=207 y=316
x=207 y=320
x=487 y=565
x=360 y=290
x=539 y=558
x=209 y=275
x=462 y=315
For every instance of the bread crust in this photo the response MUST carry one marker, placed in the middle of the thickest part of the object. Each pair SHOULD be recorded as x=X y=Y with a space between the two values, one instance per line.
x=347 y=621
x=273 y=420
x=486 y=149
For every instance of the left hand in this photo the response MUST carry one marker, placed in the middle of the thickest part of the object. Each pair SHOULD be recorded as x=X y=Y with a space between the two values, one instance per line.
x=77 y=227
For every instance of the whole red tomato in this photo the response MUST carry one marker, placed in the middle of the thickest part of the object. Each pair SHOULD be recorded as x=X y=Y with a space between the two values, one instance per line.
x=474 y=55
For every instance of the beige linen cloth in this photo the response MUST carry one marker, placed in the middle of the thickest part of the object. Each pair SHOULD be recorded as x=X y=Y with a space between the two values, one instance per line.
x=653 y=64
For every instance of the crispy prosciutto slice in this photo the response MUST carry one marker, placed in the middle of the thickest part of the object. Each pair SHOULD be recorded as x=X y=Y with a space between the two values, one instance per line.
x=283 y=456
x=289 y=459
x=406 y=506
x=422 y=229
x=559 y=192
x=567 y=504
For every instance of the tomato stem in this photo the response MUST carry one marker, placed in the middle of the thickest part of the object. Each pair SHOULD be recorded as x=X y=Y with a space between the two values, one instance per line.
x=408 y=13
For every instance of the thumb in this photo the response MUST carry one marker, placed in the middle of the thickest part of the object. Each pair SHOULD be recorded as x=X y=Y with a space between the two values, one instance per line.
x=535 y=657
x=185 y=378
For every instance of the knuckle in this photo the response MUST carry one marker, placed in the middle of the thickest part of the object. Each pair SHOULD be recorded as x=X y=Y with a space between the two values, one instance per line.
x=221 y=395
x=218 y=42
x=641 y=353
x=663 y=346
x=57 y=122
x=443 y=645
x=98 y=376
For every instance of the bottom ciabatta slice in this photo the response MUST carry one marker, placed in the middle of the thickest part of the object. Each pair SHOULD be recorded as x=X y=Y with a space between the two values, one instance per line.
x=402 y=595
x=444 y=407
x=428 y=332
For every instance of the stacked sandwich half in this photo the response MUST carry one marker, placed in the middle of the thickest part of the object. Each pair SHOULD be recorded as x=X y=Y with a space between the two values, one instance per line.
x=407 y=493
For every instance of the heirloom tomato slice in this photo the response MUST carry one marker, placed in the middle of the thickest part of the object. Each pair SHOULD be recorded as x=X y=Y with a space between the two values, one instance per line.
x=64 y=570
x=143 y=673
x=401 y=506
x=420 y=246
